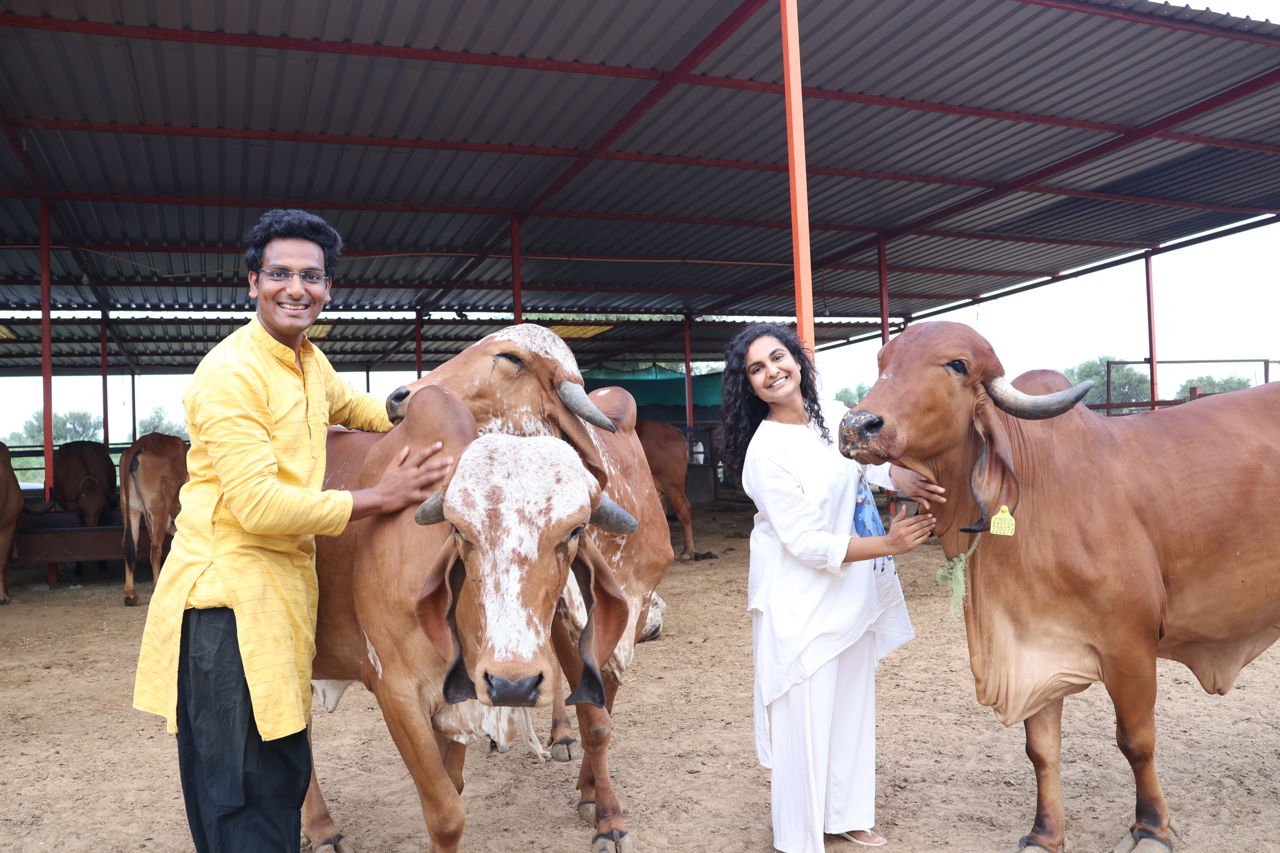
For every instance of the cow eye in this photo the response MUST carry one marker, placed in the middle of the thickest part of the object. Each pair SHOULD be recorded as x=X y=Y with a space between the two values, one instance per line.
x=958 y=366
x=514 y=359
x=577 y=531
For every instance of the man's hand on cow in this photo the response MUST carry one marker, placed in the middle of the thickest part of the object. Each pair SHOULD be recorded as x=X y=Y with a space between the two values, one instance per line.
x=409 y=479
x=905 y=534
x=916 y=486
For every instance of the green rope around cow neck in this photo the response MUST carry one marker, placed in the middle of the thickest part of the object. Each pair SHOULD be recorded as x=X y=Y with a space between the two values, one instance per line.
x=953 y=575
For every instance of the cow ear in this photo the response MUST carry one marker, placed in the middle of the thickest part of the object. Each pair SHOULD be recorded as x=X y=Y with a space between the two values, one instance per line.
x=606 y=620
x=436 y=608
x=993 y=480
x=574 y=431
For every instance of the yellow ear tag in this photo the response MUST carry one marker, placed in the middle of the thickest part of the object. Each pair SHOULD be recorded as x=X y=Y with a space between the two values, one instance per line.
x=1002 y=524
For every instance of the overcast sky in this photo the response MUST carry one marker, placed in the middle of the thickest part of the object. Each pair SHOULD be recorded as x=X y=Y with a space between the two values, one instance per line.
x=1218 y=300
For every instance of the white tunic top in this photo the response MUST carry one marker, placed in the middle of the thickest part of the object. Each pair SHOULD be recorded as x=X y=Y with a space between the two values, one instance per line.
x=809 y=605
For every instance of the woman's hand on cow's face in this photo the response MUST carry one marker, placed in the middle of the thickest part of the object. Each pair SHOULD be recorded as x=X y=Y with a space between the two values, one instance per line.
x=906 y=534
x=917 y=487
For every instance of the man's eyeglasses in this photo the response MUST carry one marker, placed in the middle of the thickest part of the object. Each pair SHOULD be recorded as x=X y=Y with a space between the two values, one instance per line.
x=280 y=275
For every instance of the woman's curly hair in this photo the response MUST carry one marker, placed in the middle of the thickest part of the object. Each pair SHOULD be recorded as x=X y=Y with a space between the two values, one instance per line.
x=741 y=411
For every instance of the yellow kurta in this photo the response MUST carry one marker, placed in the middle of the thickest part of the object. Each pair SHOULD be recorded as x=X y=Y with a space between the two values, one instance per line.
x=250 y=513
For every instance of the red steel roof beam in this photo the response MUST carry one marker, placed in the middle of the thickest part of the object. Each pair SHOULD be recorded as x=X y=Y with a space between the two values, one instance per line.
x=1157 y=21
x=401 y=207
x=62 y=125
x=431 y=55
x=1206 y=105
x=668 y=81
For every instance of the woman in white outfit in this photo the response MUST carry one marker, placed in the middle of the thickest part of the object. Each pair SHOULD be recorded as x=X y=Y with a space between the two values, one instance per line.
x=823 y=593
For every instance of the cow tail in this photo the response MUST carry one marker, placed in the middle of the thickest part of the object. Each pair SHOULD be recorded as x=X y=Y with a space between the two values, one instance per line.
x=130 y=547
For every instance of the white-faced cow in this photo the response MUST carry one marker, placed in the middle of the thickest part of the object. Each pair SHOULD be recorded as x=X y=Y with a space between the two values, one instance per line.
x=446 y=612
x=152 y=471
x=10 y=514
x=667 y=452
x=524 y=380
x=1138 y=537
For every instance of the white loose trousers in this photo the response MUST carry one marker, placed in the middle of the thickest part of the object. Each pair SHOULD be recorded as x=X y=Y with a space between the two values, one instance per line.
x=823 y=739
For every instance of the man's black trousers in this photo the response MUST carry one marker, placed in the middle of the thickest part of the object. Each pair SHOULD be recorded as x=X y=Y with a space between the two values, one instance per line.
x=243 y=794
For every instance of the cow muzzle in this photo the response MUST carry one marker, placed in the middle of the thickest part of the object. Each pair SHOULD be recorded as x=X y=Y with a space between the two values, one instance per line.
x=395 y=404
x=862 y=437
x=520 y=693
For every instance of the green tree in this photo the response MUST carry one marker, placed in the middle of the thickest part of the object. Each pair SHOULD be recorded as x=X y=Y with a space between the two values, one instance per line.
x=1127 y=385
x=854 y=397
x=72 y=426
x=1211 y=385
x=158 y=421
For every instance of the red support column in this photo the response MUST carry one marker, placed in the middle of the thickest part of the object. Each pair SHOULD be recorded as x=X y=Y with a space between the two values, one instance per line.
x=1151 y=326
x=688 y=377
x=517 y=293
x=797 y=169
x=882 y=256
x=417 y=343
x=46 y=363
x=106 y=432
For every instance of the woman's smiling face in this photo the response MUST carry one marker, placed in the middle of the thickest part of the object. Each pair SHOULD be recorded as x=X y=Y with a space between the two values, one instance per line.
x=772 y=371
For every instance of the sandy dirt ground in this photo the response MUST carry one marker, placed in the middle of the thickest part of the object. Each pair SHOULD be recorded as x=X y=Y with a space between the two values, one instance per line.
x=84 y=773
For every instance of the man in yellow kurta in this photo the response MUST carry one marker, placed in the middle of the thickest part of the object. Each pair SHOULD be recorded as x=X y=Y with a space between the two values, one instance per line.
x=227 y=648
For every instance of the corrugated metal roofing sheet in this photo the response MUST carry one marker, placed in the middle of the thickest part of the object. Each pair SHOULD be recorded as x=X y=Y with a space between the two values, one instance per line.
x=421 y=129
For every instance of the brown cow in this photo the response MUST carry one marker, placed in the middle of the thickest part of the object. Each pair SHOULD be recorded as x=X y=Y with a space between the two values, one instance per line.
x=431 y=615
x=152 y=472
x=84 y=480
x=667 y=453
x=1136 y=538
x=10 y=513
x=524 y=380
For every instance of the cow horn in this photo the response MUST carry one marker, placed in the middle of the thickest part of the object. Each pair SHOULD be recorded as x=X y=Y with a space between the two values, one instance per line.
x=431 y=511
x=613 y=518
x=1035 y=406
x=574 y=396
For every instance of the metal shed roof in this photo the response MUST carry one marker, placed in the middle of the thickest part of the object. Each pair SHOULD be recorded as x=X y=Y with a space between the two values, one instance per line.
x=640 y=144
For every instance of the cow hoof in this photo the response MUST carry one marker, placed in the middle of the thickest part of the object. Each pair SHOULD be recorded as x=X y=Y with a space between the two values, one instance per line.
x=5 y=599
x=1132 y=843
x=1026 y=842
x=587 y=812
x=566 y=750
x=617 y=841
x=131 y=601
x=686 y=556
x=336 y=844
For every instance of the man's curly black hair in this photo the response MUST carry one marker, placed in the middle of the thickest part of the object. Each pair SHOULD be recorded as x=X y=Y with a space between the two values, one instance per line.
x=285 y=224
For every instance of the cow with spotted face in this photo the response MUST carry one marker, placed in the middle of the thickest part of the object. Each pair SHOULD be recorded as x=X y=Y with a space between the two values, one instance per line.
x=446 y=613
x=524 y=380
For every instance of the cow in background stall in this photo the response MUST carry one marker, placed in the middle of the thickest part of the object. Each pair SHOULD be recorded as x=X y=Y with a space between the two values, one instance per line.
x=84 y=480
x=10 y=514
x=667 y=452
x=524 y=380
x=152 y=472
x=450 y=624
x=1134 y=538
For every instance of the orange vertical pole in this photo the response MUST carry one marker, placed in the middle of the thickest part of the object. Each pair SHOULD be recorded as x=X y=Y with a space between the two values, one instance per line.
x=688 y=376
x=798 y=171
x=417 y=342
x=516 y=283
x=1151 y=326
x=106 y=432
x=46 y=362
x=883 y=257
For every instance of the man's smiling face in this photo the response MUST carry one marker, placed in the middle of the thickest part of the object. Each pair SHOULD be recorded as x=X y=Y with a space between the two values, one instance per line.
x=288 y=306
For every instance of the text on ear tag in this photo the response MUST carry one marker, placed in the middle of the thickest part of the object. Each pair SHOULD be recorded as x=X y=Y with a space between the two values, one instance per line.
x=1002 y=524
